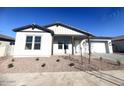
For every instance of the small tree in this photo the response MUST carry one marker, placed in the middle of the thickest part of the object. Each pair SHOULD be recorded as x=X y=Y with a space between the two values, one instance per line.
x=118 y=62
x=43 y=65
x=13 y=60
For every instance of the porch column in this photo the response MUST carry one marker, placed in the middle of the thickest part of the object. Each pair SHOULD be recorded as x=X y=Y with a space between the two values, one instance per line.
x=52 y=45
x=89 y=49
x=72 y=38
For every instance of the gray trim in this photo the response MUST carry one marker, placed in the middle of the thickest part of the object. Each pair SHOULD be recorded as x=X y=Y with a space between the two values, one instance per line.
x=69 y=35
x=6 y=38
x=101 y=37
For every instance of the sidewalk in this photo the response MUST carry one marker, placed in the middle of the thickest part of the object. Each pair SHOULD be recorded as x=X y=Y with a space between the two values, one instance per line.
x=58 y=78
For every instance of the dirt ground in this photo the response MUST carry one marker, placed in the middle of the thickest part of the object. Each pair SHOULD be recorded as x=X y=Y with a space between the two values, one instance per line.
x=114 y=56
x=56 y=64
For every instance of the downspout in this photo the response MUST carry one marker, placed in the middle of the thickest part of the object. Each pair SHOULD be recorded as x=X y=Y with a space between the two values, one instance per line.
x=89 y=49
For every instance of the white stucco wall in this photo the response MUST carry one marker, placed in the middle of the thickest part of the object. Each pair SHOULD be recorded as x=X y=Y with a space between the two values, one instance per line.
x=46 y=42
x=77 y=47
x=60 y=30
x=110 y=46
x=6 y=49
x=3 y=46
x=2 y=51
x=4 y=43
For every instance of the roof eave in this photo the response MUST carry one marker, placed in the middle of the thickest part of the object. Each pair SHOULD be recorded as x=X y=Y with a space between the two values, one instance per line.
x=33 y=26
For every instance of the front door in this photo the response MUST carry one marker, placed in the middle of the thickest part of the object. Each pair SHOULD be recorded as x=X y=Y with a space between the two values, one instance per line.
x=65 y=47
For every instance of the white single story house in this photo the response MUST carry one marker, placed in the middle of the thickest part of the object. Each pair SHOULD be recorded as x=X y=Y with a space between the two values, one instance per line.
x=6 y=45
x=118 y=44
x=57 y=39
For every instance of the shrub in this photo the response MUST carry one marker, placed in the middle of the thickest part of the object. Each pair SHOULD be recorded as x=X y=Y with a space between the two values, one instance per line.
x=10 y=65
x=57 y=60
x=71 y=64
x=43 y=65
x=37 y=59
x=118 y=62
x=100 y=58
x=13 y=60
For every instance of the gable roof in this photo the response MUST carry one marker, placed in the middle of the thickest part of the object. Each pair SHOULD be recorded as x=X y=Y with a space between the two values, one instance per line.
x=33 y=26
x=6 y=38
x=69 y=27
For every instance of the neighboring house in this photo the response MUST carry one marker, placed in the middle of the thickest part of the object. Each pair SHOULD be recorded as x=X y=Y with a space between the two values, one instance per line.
x=6 y=45
x=118 y=44
x=56 y=39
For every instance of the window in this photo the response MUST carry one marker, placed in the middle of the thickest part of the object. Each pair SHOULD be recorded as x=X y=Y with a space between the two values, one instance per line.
x=12 y=43
x=33 y=41
x=60 y=45
x=37 y=42
x=29 y=40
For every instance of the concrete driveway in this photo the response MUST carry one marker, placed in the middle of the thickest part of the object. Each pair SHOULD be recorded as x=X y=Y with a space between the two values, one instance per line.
x=62 y=79
x=113 y=57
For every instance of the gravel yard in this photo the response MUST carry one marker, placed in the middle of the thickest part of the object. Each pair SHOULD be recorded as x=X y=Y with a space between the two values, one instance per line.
x=31 y=65
x=55 y=64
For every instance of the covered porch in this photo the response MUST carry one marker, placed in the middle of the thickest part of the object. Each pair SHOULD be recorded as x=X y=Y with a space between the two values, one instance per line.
x=68 y=45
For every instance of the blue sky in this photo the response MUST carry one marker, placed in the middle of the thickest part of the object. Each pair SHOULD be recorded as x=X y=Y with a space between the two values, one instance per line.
x=98 y=21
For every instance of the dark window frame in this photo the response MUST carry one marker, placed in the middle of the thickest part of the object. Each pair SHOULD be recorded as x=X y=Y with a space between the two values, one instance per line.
x=28 y=42
x=37 y=42
x=60 y=45
x=12 y=43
